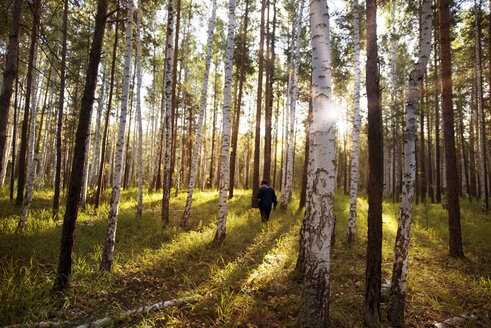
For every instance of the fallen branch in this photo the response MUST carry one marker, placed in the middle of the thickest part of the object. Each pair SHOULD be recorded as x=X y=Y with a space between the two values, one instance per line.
x=144 y=309
x=457 y=320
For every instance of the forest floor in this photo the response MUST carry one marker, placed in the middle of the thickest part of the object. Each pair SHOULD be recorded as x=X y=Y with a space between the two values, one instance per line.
x=249 y=281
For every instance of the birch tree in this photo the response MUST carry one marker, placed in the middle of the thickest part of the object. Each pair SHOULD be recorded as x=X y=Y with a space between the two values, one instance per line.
x=107 y=255
x=138 y=110
x=399 y=272
x=356 y=128
x=31 y=159
x=319 y=214
x=45 y=151
x=202 y=112
x=168 y=110
x=293 y=103
x=225 y=153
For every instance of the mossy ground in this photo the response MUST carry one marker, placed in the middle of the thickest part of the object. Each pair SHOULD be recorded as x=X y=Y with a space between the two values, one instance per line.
x=248 y=281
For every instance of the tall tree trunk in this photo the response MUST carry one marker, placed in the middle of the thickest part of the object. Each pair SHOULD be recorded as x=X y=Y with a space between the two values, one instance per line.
x=36 y=11
x=107 y=254
x=356 y=128
x=174 y=82
x=319 y=216
x=481 y=126
x=108 y=113
x=257 y=138
x=438 y=182
x=138 y=110
x=399 y=271
x=238 y=104
x=45 y=150
x=97 y=139
x=63 y=274
x=428 y=134
x=303 y=193
x=212 y=159
x=31 y=159
x=202 y=113
x=268 y=105
x=9 y=75
x=168 y=117
x=286 y=196
x=225 y=152
x=375 y=174
x=451 y=191
x=14 y=138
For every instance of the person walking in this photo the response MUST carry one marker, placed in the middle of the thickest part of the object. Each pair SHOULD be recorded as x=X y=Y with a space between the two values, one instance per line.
x=267 y=197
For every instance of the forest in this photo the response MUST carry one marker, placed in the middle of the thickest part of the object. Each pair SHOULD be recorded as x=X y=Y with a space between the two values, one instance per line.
x=245 y=163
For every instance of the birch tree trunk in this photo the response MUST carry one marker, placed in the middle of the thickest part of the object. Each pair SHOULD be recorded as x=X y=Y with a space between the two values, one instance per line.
x=45 y=150
x=138 y=110
x=168 y=111
x=23 y=145
x=202 y=111
x=293 y=104
x=107 y=255
x=399 y=272
x=31 y=159
x=319 y=214
x=356 y=128
x=225 y=154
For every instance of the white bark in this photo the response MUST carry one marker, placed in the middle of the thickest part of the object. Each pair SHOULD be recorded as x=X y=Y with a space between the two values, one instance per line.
x=107 y=255
x=293 y=104
x=319 y=214
x=94 y=169
x=202 y=111
x=166 y=182
x=45 y=150
x=399 y=274
x=31 y=159
x=356 y=128
x=138 y=110
x=225 y=154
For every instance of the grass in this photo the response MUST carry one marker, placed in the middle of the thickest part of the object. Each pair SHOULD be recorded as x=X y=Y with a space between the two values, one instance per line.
x=248 y=281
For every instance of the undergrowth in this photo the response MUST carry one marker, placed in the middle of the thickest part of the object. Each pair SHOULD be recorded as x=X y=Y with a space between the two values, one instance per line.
x=247 y=281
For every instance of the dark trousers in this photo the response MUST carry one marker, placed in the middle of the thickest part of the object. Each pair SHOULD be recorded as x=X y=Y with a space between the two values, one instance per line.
x=265 y=215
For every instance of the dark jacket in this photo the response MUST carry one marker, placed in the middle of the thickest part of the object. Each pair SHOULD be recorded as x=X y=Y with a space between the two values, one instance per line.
x=267 y=197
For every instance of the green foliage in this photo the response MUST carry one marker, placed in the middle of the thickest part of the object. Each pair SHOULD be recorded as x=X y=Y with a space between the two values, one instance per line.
x=249 y=280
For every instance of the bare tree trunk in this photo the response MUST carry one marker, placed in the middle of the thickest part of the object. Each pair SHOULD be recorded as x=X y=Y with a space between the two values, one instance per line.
x=168 y=109
x=480 y=121
x=437 y=129
x=108 y=113
x=401 y=249
x=14 y=138
x=319 y=214
x=31 y=159
x=451 y=186
x=68 y=233
x=23 y=144
x=9 y=75
x=257 y=138
x=293 y=103
x=107 y=254
x=202 y=113
x=225 y=153
x=238 y=104
x=356 y=128
x=138 y=110
x=375 y=174
x=303 y=193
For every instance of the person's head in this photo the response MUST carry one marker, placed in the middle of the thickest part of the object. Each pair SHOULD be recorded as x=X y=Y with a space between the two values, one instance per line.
x=264 y=182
